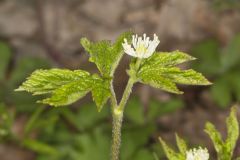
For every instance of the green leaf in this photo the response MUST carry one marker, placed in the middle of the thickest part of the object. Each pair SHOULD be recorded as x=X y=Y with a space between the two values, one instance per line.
x=92 y=146
x=5 y=54
x=6 y=122
x=69 y=93
x=189 y=77
x=221 y=92
x=233 y=130
x=231 y=56
x=85 y=115
x=104 y=54
x=165 y=78
x=144 y=154
x=25 y=66
x=32 y=120
x=117 y=48
x=235 y=85
x=39 y=147
x=65 y=86
x=225 y=149
x=167 y=59
x=170 y=153
x=151 y=78
x=47 y=81
x=19 y=71
x=182 y=146
x=208 y=55
x=157 y=108
x=159 y=71
x=215 y=137
x=134 y=138
x=134 y=112
x=100 y=91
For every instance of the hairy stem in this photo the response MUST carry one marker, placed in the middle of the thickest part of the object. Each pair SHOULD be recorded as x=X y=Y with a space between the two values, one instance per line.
x=126 y=95
x=117 y=112
x=117 y=121
x=116 y=135
x=113 y=97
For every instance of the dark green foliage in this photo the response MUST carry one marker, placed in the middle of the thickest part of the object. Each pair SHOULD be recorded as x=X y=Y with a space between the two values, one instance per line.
x=222 y=64
x=6 y=122
x=74 y=134
x=11 y=78
x=5 y=54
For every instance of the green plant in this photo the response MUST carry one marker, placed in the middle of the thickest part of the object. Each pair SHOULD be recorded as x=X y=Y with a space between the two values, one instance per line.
x=222 y=65
x=71 y=132
x=223 y=148
x=157 y=69
x=13 y=74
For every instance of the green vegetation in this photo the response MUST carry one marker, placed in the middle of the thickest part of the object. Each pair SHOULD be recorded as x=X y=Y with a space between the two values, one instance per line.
x=222 y=65
x=223 y=148
x=157 y=69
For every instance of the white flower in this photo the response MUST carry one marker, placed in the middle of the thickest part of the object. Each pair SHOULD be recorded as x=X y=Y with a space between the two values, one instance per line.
x=197 y=154
x=141 y=47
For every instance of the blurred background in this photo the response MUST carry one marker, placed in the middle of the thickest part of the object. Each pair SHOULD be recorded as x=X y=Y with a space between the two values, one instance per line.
x=45 y=34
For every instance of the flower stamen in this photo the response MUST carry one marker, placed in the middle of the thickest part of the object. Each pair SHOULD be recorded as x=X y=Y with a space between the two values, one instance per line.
x=197 y=154
x=141 y=47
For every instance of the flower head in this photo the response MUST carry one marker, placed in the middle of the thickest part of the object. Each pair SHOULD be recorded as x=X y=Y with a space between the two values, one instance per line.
x=197 y=154
x=141 y=47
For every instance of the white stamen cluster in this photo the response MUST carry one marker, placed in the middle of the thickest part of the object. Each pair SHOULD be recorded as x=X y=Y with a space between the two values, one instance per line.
x=141 y=47
x=197 y=154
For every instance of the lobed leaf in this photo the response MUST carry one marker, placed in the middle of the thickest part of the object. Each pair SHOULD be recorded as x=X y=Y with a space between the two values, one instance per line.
x=233 y=130
x=100 y=91
x=69 y=93
x=170 y=153
x=225 y=149
x=189 y=77
x=46 y=81
x=167 y=59
x=215 y=137
x=151 y=78
x=66 y=86
x=104 y=54
x=159 y=71
x=182 y=146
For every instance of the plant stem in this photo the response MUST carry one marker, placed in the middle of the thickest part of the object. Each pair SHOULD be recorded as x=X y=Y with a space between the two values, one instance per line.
x=117 y=121
x=117 y=112
x=113 y=97
x=116 y=134
x=126 y=95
